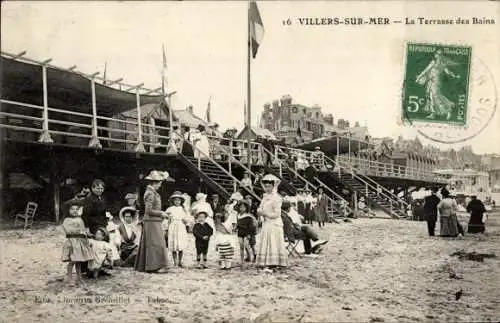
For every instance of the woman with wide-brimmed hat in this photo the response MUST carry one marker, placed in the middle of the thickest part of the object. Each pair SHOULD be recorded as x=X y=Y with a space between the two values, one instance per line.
x=272 y=251
x=130 y=235
x=177 y=232
x=152 y=254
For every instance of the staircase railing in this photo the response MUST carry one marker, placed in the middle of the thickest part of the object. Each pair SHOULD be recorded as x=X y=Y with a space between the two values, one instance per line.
x=379 y=188
x=224 y=150
x=392 y=199
x=225 y=171
x=349 y=209
x=295 y=173
x=321 y=159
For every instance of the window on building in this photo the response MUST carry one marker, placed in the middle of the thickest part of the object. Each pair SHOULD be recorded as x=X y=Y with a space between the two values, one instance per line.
x=317 y=115
x=295 y=109
x=304 y=110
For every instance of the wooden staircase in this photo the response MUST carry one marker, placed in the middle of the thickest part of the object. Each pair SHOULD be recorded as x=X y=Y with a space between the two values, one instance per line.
x=385 y=202
x=215 y=175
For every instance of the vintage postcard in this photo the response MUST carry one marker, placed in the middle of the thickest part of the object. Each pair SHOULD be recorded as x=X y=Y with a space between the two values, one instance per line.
x=249 y=161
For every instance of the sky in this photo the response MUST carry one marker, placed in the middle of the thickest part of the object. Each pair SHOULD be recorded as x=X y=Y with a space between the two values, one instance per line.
x=353 y=72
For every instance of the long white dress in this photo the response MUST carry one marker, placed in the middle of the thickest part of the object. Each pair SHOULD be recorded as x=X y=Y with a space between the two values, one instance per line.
x=177 y=233
x=202 y=145
x=271 y=243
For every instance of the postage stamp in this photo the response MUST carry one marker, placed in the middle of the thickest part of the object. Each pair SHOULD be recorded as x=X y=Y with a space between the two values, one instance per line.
x=448 y=95
x=436 y=84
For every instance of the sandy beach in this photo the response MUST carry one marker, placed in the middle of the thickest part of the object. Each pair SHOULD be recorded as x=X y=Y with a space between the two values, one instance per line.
x=372 y=270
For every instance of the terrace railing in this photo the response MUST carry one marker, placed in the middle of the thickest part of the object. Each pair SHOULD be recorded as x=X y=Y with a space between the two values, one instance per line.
x=86 y=130
x=376 y=168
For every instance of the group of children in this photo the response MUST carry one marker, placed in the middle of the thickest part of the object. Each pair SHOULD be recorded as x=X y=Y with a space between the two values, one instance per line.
x=82 y=250
x=118 y=244
x=200 y=220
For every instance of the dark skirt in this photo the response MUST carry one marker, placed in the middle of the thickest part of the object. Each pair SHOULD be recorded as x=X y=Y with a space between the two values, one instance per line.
x=152 y=254
x=476 y=224
x=187 y=149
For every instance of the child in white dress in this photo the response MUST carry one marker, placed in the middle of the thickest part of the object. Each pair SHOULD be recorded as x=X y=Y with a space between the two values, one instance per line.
x=102 y=253
x=177 y=233
x=115 y=239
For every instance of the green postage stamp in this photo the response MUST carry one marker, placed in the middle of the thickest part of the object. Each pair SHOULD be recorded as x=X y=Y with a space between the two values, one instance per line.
x=436 y=84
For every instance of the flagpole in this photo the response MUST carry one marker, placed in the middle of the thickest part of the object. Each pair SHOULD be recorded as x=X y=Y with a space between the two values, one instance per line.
x=249 y=101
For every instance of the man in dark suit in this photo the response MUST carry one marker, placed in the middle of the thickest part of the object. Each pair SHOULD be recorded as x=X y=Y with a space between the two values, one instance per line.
x=430 y=209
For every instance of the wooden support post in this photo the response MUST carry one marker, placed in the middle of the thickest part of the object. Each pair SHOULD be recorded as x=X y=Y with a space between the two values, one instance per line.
x=57 y=199
x=45 y=136
x=140 y=146
x=355 y=198
x=152 y=133
x=94 y=141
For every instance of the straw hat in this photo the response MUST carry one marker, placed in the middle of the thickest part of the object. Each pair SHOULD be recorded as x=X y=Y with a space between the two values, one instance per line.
x=155 y=176
x=200 y=196
x=127 y=209
x=236 y=196
x=131 y=196
x=244 y=201
x=202 y=209
x=317 y=148
x=109 y=215
x=270 y=178
x=177 y=194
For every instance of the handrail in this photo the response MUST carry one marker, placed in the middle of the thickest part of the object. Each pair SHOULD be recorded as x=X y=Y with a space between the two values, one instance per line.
x=218 y=165
x=333 y=192
x=331 y=200
x=354 y=175
x=368 y=179
x=304 y=179
x=376 y=167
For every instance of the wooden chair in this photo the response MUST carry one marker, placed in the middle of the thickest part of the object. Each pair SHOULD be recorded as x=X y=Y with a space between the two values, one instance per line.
x=291 y=242
x=28 y=215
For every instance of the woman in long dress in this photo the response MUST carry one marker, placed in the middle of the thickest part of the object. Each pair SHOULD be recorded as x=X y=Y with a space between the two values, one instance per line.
x=201 y=143
x=476 y=209
x=152 y=254
x=271 y=251
x=448 y=215
x=187 y=149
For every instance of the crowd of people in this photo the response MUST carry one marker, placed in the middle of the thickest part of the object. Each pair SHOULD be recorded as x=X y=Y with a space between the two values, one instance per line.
x=445 y=208
x=97 y=242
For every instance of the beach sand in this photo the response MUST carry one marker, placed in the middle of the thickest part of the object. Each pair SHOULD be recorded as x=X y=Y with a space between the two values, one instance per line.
x=372 y=270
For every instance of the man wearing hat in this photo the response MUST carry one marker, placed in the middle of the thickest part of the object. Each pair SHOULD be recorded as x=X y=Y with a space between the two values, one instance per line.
x=430 y=208
x=217 y=206
x=294 y=229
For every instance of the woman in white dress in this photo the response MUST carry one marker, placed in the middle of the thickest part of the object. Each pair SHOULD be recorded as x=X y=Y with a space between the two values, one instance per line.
x=201 y=143
x=271 y=251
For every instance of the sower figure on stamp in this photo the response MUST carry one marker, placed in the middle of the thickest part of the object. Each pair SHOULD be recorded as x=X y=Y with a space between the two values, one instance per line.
x=430 y=208
x=432 y=77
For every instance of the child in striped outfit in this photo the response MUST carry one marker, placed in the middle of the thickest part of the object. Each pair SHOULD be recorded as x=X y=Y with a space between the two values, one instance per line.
x=225 y=250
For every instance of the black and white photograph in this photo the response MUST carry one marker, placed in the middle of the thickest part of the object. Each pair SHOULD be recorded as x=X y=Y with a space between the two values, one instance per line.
x=250 y=161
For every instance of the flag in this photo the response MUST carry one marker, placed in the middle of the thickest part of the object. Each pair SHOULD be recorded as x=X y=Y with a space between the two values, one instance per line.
x=256 y=28
x=164 y=72
x=207 y=115
x=104 y=76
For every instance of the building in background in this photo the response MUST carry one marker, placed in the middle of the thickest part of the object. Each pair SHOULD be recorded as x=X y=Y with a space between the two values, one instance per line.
x=297 y=123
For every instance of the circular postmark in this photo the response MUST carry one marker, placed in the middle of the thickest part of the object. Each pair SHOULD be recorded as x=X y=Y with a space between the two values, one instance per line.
x=481 y=108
